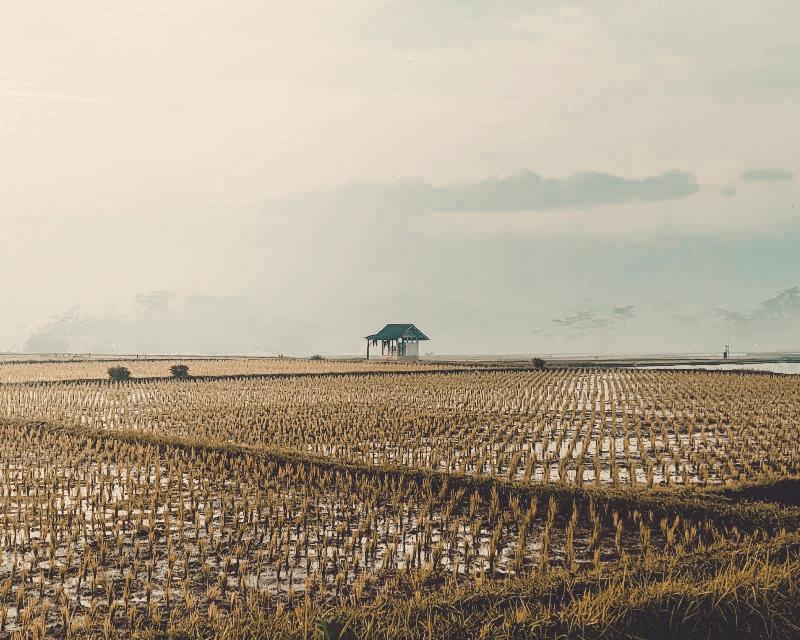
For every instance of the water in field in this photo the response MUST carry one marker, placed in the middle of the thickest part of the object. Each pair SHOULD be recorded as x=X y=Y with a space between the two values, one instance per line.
x=116 y=532
x=772 y=367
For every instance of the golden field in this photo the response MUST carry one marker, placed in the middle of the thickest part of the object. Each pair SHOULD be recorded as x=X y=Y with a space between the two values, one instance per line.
x=43 y=370
x=395 y=502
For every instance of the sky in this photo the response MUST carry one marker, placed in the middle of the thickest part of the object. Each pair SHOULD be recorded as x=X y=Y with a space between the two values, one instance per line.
x=258 y=177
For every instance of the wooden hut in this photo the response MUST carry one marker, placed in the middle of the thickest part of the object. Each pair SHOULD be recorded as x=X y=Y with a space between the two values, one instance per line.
x=398 y=342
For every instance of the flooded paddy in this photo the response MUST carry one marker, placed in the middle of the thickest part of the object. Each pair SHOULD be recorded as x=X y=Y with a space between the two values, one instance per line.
x=108 y=530
x=583 y=427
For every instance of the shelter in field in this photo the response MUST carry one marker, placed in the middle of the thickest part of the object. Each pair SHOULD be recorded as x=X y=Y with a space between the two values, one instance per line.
x=398 y=341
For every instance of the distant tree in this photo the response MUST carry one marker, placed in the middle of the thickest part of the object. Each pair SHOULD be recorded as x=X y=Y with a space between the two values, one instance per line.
x=119 y=374
x=179 y=371
x=537 y=363
x=316 y=357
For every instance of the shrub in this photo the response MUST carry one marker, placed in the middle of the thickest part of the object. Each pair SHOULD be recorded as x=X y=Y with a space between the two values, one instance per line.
x=537 y=363
x=119 y=373
x=316 y=357
x=179 y=371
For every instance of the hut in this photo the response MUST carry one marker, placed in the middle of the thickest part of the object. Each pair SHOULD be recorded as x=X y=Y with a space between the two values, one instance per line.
x=398 y=341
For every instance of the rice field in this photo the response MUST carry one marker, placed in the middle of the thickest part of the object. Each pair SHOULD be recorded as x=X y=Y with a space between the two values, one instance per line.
x=52 y=368
x=127 y=533
x=241 y=507
x=581 y=427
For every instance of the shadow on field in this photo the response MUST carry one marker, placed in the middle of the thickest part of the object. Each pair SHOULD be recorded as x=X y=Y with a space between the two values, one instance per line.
x=784 y=491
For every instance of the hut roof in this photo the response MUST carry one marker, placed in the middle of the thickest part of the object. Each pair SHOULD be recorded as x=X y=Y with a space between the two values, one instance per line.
x=397 y=331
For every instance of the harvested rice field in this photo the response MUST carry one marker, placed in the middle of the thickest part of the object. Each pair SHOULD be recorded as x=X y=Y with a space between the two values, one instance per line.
x=40 y=370
x=579 y=427
x=397 y=503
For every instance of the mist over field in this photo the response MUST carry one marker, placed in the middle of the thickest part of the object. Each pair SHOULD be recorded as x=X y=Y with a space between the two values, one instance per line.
x=518 y=304
x=259 y=179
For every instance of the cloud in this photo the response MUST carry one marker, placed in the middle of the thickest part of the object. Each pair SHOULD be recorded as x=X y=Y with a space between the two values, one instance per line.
x=691 y=319
x=528 y=191
x=767 y=175
x=523 y=191
x=587 y=322
x=164 y=322
x=45 y=342
x=775 y=316
x=734 y=320
x=769 y=325
x=583 y=322
x=785 y=305
x=624 y=313
x=155 y=302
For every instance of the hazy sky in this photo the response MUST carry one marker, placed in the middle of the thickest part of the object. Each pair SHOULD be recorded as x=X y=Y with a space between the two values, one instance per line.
x=261 y=177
